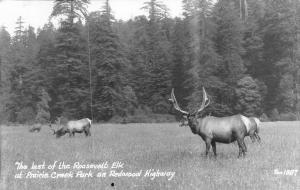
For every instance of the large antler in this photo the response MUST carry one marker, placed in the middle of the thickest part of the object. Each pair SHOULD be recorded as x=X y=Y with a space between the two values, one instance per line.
x=175 y=104
x=205 y=101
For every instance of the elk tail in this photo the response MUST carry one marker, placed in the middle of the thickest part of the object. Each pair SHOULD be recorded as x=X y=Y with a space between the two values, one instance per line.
x=246 y=122
x=257 y=121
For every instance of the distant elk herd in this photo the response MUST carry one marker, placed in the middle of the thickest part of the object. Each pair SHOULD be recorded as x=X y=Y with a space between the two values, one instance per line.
x=211 y=129
x=71 y=127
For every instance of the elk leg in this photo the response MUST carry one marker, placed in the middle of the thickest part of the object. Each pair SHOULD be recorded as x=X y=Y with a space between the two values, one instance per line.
x=213 y=144
x=207 y=142
x=86 y=131
x=240 y=143
x=244 y=148
x=252 y=138
x=257 y=137
x=244 y=145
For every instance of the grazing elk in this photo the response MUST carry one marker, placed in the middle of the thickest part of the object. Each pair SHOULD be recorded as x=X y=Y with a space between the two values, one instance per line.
x=59 y=131
x=216 y=129
x=72 y=127
x=35 y=128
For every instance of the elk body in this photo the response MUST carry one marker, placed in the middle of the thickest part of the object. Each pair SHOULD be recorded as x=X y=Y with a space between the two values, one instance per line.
x=72 y=127
x=80 y=126
x=216 y=129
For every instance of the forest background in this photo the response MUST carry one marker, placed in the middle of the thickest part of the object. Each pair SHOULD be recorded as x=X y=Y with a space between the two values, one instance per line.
x=244 y=52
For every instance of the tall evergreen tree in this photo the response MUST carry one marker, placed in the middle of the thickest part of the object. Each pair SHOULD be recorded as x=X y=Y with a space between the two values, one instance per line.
x=19 y=30
x=5 y=45
x=139 y=74
x=70 y=97
x=203 y=57
x=22 y=59
x=110 y=85
x=157 y=61
x=72 y=10
x=253 y=43
x=45 y=57
x=280 y=65
x=181 y=58
x=45 y=71
x=228 y=40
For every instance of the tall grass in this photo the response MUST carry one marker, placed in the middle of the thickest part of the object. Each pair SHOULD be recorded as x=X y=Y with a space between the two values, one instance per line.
x=166 y=147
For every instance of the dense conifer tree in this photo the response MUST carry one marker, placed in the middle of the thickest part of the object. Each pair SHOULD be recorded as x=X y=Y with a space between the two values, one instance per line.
x=111 y=90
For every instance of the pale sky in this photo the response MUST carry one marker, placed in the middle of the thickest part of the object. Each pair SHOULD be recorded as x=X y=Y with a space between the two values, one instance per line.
x=36 y=12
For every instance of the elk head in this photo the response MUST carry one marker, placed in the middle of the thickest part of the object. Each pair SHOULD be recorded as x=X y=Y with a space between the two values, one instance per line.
x=55 y=127
x=191 y=117
x=51 y=128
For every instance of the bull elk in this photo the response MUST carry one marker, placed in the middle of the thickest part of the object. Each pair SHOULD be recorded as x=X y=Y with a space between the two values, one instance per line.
x=72 y=127
x=216 y=129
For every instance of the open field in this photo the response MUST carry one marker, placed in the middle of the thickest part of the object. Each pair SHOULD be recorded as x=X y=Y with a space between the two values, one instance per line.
x=166 y=147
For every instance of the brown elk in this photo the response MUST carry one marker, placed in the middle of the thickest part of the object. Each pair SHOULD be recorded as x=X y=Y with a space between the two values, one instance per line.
x=216 y=129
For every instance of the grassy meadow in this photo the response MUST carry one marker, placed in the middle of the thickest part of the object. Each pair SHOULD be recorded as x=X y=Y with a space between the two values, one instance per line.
x=166 y=147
